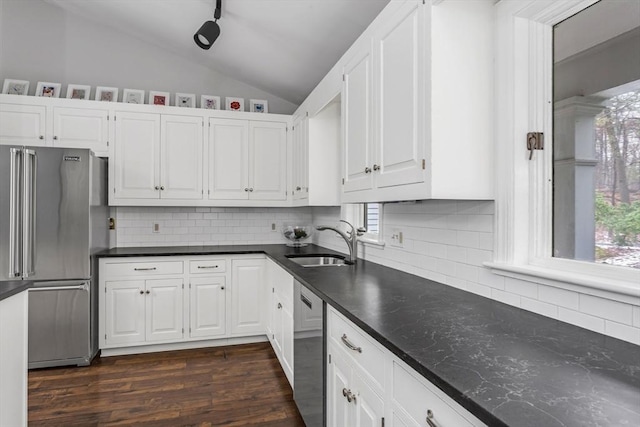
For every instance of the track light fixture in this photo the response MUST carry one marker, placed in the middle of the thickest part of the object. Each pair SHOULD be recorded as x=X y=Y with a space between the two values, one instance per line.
x=210 y=30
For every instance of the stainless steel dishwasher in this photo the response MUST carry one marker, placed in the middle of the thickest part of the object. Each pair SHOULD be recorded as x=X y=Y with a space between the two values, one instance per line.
x=309 y=349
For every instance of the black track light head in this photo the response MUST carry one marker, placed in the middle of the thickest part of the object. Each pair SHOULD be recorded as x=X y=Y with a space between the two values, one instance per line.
x=210 y=30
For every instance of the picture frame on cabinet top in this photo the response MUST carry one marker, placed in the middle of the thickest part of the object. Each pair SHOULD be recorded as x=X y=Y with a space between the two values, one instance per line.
x=133 y=96
x=258 y=106
x=210 y=102
x=15 y=87
x=159 y=98
x=48 y=89
x=234 y=104
x=107 y=94
x=78 y=91
x=185 y=100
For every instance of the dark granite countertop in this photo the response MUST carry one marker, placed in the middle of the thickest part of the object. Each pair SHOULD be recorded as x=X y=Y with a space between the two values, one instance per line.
x=13 y=287
x=507 y=366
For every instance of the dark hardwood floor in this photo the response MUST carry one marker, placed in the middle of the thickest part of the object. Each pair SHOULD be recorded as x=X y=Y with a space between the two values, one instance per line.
x=223 y=386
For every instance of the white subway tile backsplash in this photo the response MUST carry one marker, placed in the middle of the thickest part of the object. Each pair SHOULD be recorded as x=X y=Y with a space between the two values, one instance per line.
x=583 y=320
x=520 y=287
x=607 y=309
x=544 y=308
x=623 y=332
x=560 y=297
x=636 y=316
x=505 y=297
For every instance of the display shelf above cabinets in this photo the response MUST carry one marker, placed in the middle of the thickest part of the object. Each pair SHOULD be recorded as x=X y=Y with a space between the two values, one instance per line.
x=156 y=157
x=416 y=104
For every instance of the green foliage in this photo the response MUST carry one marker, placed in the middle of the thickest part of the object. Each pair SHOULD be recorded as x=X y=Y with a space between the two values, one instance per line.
x=622 y=221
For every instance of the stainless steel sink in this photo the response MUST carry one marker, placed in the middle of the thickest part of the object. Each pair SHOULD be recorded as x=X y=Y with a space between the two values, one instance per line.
x=318 y=260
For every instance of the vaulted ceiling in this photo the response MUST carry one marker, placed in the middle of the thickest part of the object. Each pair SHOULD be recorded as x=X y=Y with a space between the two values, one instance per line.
x=283 y=47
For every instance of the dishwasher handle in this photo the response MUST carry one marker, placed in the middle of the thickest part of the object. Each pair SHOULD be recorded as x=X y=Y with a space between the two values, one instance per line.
x=306 y=301
x=83 y=287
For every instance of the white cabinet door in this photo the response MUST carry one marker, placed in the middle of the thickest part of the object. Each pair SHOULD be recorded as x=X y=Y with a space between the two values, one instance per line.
x=268 y=160
x=22 y=124
x=300 y=182
x=287 y=342
x=276 y=325
x=13 y=360
x=81 y=128
x=339 y=410
x=400 y=112
x=207 y=306
x=357 y=105
x=368 y=406
x=164 y=309
x=125 y=312
x=247 y=296
x=228 y=159
x=181 y=149
x=137 y=156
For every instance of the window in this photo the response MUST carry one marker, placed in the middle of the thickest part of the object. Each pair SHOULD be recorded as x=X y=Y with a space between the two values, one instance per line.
x=368 y=216
x=596 y=139
x=526 y=232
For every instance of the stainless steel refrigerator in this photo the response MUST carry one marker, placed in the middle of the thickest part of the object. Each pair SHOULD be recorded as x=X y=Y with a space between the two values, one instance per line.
x=53 y=218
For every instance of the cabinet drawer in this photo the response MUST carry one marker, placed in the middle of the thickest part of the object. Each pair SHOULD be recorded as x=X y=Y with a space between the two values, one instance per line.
x=413 y=398
x=358 y=346
x=208 y=266
x=153 y=268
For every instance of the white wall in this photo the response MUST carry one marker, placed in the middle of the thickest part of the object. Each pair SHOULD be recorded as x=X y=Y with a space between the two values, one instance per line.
x=448 y=241
x=41 y=42
x=204 y=226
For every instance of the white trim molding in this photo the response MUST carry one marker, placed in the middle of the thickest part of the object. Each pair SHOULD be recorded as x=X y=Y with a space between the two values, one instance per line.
x=524 y=103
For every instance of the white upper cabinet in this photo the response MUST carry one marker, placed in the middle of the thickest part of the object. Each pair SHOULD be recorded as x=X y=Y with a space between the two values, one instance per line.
x=181 y=148
x=81 y=128
x=357 y=108
x=228 y=159
x=247 y=160
x=300 y=147
x=417 y=104
x=267 y=160
x=136 y=162
x=156 y=157
x=22 y=124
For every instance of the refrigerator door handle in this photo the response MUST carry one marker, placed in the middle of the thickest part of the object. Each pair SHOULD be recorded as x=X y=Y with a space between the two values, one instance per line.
x=15 y=220
x=29 y=212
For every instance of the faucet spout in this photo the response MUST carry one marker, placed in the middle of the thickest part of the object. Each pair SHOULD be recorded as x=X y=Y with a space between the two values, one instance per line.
x=350 y=237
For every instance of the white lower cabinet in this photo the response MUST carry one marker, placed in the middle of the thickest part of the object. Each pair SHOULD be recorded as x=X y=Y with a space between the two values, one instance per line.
x=13 y=360
x=140 y=311
x=247 y=296
x=146 y=301
x=280 y=316
x=369 y=386
x=207 y=303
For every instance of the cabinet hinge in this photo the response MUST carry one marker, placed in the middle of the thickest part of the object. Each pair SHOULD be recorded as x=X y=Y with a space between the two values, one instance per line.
x=107 y=117
x=535 y=141
x=342 y=181
x=105 y=336
x=293 y=128
x=329 y=358
x=115 y=117
x=208 y=191
x=273 y=290
x=183 y=286
x=382 y=424
x=424 y=164
x=307 y=114
x=189 y=285
x=343 y=77
x=114 y=190
x=201 y=191
x=105 y=290
x=107 y=143
x=189 y=330
x=183 y=330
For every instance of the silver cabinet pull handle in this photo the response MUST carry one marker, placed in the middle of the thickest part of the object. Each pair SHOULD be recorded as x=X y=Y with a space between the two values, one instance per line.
x=279 y=305
x=41 y=137
x=430 y=419
x=349 y=395
x=162 y=187
x=298 y=188
x=55 y=138
x=207 y=266
x=157 y=187
x=367 y=170
x=246 y=189
x=147 y=292
x=251 y=189
x=376 y=167
x=348 y=343
x=141 y=292
x=145 y=269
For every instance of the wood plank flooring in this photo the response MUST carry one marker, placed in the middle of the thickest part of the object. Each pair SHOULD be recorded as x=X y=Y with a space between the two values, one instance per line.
x=222 y=386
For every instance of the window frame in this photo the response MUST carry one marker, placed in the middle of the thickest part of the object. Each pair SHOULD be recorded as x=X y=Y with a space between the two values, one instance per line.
x=524 y=209
x=354 y=213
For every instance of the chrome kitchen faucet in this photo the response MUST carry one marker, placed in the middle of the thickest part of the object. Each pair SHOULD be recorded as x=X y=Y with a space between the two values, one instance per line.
x=350 y=236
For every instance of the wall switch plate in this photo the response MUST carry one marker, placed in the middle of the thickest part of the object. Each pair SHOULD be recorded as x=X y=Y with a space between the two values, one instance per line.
x=273 y=226
x=156 y=227
x=397 y=238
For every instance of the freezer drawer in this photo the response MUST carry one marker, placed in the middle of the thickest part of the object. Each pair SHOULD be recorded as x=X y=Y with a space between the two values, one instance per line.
x=60 y=324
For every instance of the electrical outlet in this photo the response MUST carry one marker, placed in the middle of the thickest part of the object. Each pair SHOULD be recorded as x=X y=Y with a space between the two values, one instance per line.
x=156 y=227
x=397 y=238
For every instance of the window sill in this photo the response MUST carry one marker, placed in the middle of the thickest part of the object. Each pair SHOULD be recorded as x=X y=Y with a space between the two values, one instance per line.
x=371 y=242
x=611 y=288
